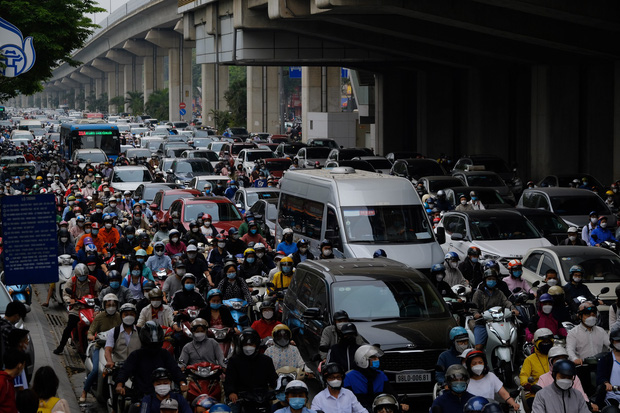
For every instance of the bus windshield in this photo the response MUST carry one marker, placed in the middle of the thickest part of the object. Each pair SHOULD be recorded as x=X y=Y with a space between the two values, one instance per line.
x=389 y=224
x=95 y=136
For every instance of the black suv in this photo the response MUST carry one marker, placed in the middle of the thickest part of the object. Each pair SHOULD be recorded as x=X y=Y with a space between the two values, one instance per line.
x=391 y=304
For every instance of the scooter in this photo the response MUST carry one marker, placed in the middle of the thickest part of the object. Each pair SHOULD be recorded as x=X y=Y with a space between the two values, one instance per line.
x=258 y=283
x=257 y=401
x=501 y=343
x=204 y=378
x=100 y=391
x=239 y=311
x=65 y=268
x=87 y=315
x=175 y=340
x=224 y=337
x=22 y=293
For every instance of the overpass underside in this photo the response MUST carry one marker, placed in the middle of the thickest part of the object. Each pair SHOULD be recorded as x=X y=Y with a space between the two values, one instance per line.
x=536 y=82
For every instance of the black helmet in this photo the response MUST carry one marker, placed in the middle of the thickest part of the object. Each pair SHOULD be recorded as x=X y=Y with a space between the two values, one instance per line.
x=332 y=368
x=301 y=242
x=188 y=276
x=114 y=275
x=129 y=230
x=249 y=336
x=379 y=253
x=489 y=273
x=325 y=243
x=340 y=315
x=348 y=328
x=63 y=232
x=193 y=224
x=149 y=285
x=151 y=334
x=566 y=367
x=614 y=334
x=143 y=236
x=160 y=373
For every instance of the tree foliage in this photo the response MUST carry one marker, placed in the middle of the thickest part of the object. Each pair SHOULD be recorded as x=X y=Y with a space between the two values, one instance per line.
x=157 y=104
x=119 y=103
x=135 y=100
x=221 y=119
x=57 y=27
x=236 y=96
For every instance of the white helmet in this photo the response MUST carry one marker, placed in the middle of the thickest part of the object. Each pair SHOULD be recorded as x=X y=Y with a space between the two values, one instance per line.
x=110 y=297
x=542 y=332
x=296 y=386
x=287 y=231
x=557 y=351
x=365 y=352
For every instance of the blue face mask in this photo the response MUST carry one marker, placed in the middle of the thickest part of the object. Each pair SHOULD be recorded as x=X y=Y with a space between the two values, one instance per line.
x=135 y=273
x=82 y=277
x=115 y=284
x=375 y=364
x=297 y=403
x=458 y=387
x=474 y=198
x=130 y=236
x=231 y=275
x=474 y=259
x=207 y=191
x=491 y=283
x=250 y=260
x=189 y=287
x=286 y=268
x=140 y=260
x=281 y=396
x=517 y=273
x=95 y=231
x=215 y=306
x=252 y=231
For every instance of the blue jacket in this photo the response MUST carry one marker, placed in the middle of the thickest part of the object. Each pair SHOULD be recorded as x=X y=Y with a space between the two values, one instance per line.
x=287 y=248
x=288 y=410
x=358 y=383
x=151 y=404
x=599 y=235
x=449 y=402
x=445 y=360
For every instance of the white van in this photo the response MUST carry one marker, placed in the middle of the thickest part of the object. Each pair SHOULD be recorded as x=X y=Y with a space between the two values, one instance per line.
x=359 y=212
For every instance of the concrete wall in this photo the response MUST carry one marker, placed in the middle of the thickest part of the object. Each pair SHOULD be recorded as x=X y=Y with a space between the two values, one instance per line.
x=340 y=126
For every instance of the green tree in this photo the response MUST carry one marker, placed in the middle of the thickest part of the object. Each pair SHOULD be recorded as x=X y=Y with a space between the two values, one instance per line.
x=236 y=96
x=80 y=99
x=157 y=104
x=135 y=100
x=221 y=119
x=70 y=96
x=119 y=103
x=58 y=28
x=91 y=102
x=102 y=103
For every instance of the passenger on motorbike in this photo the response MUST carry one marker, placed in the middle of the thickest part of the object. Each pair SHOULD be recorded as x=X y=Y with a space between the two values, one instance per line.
x=576 y=288
x=287 y=245
x=265 y=325
x=515 y=268
x=453 y=274
x=601 y=233
x=555 y=354
x=332 y=333
x=175 y=246
x=65 y=244
x=233 y=286
x=104 y=321
x=95 y=269
x=187 y=296
x=485 y=298
x=204 y=403
x=551 y=280
x=586 y=339
x=156 y=311
x=201 y=348
x=343 y=352
x=608 y=371
x=335 y=398
x=283 y=381
x=544 y=319
x=207 y=229
x=471 y=268
x=162 y=383
x=141 y=363
x=194 y=233
x=282 y=279
x=561 y=311
x=483 y=382
x=460 y=342
x=159 y=260
x=501 y=285
x=302 y=252
x=114 y=287
x=135 y=280
x=251 y=265
x=327 y=250
x=80 y=284
x=297 y=398
x=536 y=364
x=561 y=397
x=248 y=370
x=110 y=235
x=283 y=353
x=173 y=282
x=215 y=313
x=438 y=274
x=457 y=395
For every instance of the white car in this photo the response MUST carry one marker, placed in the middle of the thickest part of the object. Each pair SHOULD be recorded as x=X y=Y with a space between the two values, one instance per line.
x=248 y=158
x=501 y=235
x=128 y=178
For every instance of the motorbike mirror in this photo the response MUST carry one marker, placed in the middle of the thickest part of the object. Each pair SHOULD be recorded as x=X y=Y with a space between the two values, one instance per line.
x=517 y=381
x=516 y=290
x=460 y=290
x=515 y=393
x=536 y=284
x=311 y=313
x=530 y=296
x=324 y=348
x=605 y=290
x=255 y=292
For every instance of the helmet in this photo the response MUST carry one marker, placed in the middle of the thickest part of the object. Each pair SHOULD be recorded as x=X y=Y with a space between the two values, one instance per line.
x=259 y=246
x=296 y=386
x=301 y=242
x=473 y=251
x=557 y=351
x=283 y=381
x=385 y=400
x=514 y=264
x=110 y=297
x=438 y=268
x=204 y=400
x=193 y=224
x=545 y=298
x=128 y=307
x=348 y=328
x=173 y=232
x=614 y=334
x=268 y=304
x=340 y=315
x=363 y=353
x=129 y=230
x=220 y=408
x=188 y=276
x=229 y=264
x=492 y=265
x=325 y=243
x=160 y=373
x=141 y=252
x=287 y=259
x=249 y=336
x=458 y=332
x=90 y=248
x=379 y=253
x=212 y=293
x=114 y=275
x=456 y=372
x=220 y=237
x=566 y=367
x=331 y=368
x=574 y=269
x=489 y=273
x=441 y=193
x=151 y=333
x=149 y=286
x=492 y=407
x=542 y=333
x=556 y=290
x=199 y=322
x=475 y=404
x=451 y=256
x=287 y=231
x=80 y=269
x=156 y=293
x=472 y=355
x=248 y=251
x=233 y=230
x=281 y=331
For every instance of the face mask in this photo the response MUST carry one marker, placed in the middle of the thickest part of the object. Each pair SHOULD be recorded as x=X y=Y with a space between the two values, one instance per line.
x=564 y=384
x=64 y=239
x=156 y=303
x=110 y=310
x=140 y=260
x=82 y=277
x=477 y=369
x=91 y=268
x=287 y=268
x=491 y=283
x=552 y=282
x=192 y=255
x=195 y=229
x=453 y=264
x=87 y=230
x=207 y=223
x=281 y=396
x=207 y=191
x=603 y=224
x=215 y=306
x=174 y=239
x=129 y=320
x=458 y=387
x=108 y=226
x=115 y=284
x=616 y=346
x=249 y=350
x=70 y=202
x=162 y=389
x=439 y=277
x=297 y=403
x=130 y=236
x=461 y=347
x=577 y=279
x=252 y=231
x=545 y=347
x=334 y=384
x=590 y=321
x=594 y=220
x=463 y=202
x=221 y=244
x=303 y=251
x=113 y=205
x=250 y=260
x=517 y=273
x=95 y=231
x=159 y=253
x=199 y=336
x=267 y=315
x=474 y=259
x=572 y=238
x=339 y=325
x=547 y=309
x=181 y=272
x=282 y=342
x=375 y=364
x=189 y=287
x=327 y=253
x=474 y=198
x=135 y=273
x=260 y=254
x=231 y=275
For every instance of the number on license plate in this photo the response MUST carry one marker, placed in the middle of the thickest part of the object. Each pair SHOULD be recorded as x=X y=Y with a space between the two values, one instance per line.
x=413 y=377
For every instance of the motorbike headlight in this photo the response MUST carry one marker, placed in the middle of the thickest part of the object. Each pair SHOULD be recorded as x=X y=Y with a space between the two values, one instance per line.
x=85 y=319
x=237 y=305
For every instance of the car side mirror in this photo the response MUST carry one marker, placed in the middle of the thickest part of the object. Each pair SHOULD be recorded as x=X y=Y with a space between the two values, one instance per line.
x=169 y=171
x=441 y=235
x=312 y=313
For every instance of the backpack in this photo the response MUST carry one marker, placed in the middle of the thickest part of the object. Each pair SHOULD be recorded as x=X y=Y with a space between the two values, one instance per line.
x=48 y=405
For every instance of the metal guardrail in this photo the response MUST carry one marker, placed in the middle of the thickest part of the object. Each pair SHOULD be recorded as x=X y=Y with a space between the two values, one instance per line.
x=184 y=2
x=118 y=14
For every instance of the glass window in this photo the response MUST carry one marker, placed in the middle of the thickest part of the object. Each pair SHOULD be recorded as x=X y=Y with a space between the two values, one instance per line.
x=547 y=263
x=193 y=166
x=255 y=196
x=484 y=180
x=304 y=216
x=455 y=224
x=502 y=228
x=601 y=269
x=255 y=155
x=528 y=199
x=317 y=152
x=332 y=229
x=390 y=224
x=168 y=200
x=578 y=205
x=132 y=175
x=531 y=263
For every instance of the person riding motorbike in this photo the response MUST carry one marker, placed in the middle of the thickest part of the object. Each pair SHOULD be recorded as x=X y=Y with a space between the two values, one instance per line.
x=460 y=342
x=515 y=268
x=156 y=311
x=135 y=280
x=114 y=287
x=173 y=282
x=586 y=339
x=576 y=288
x=187 y=296
x=573 y=238
x=194 y=233
x=453 y=400
x=233 y=286
x=438 y=274
x=555 y=354
x=453 y=274
x=544 y=319
x=327 y=250
x=536 y=364
x=159 y=260
x=265 y=325
x=607 y=371
x=282 y=279
x=601 y=233
x=332 y=333
x=201 y=348
x=287 y=245
x=561 y=311
x=296 y=393
x=560 y=397
x=175 y=246
x=163 y=397
x=302 y=252
x=251 y=265
x=483 y=382
x=282 y=353
x=343 y=352
x=471 y=268
x=253 y=236
x=335 y=398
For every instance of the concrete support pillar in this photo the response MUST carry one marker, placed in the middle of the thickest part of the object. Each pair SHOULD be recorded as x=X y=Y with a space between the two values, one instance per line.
x=263 y=99
x=148 y=76
x=214 y=86
x=112 y=87
x=180 y=81
x=320 y=92
x=24 y=101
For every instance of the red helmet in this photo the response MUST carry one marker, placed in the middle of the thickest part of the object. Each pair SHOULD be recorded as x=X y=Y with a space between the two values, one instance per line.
x=514 y=264
x=220 y=237
x=207 y=216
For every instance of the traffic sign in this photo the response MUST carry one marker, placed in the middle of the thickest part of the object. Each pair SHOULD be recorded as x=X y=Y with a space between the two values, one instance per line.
x=294 y=72
x=182 y=105
x=182 y=112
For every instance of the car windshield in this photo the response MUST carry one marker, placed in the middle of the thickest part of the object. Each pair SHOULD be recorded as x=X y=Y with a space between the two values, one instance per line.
x=138 y=153
x=188 y=167
x=169 y=199
x=175 y=152
x=597 y=269
x=275 y=166
x=548 y=224
x=291 y=149
x=254 y=155
x=436 y=185
x=388 y=224
x=255 y=196
x=347 y=154
x=387 y=299
x=484 y=180
x=202 y=134
x=211 y=156
x=502 y=228
x=132 y=175
x=418 y=169
x=217 y=146
x=148 y=194
x=95 y=157
x=318 y=152
x=565 y=181
x=137 y=131
x=220 y=211
x=325 y=144
x=578 y=205
x=379 y=163
x=239 y=131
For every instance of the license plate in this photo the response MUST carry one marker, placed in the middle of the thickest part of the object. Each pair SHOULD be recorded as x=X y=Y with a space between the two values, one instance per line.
x=413 y=377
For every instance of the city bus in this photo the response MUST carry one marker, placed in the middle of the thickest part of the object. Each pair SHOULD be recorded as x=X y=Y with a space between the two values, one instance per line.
x=103 y=136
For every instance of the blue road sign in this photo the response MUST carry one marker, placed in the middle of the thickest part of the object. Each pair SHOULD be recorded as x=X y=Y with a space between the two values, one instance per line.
x=344 y=73
x=30 y=240
x=294 y=72
x=182 y=112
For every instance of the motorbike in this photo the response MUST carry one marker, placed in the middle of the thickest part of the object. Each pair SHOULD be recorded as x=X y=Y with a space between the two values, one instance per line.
x=239 y=311
x=160 y=277
x=86 y=315
x=204 y=378
x=22 y=293
x=257 y=401
x=65 y=268
x=501 y=344
x=258 y=283
x=175 y=340
x=224 y=337
x=462 y=291
x=581 y=299
x=100 y=391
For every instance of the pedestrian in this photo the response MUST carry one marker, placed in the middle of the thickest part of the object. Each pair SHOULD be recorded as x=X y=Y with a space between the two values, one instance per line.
x=45 y=385
x=14 y=364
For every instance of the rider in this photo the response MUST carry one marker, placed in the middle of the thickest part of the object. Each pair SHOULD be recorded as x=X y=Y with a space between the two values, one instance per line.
x=175 y=246
x=586 y=339
x=287 y=245
x=576 y=288
x=438 y=274
x=331 y=334
x=208 y=229
x=327 y=250
x=163 y=398
x=282 y=279
x=302 y=252
x=537 y=363
x=551 y=279
x=173 y=282
x=233 y=286
x=265 y=259
x=297 y=397
x=471 y=268
x=487 y=297
x=573 y=238
x=515 y=268
x=483 y=382
x=607 y=370
x=335 y=398
x=555 y=354
x=187 y=296
x=122 y=293
x=442 y=203
x=122 y=340
x=453 y=274
x=268 y=321
x=454 y=400
x=460 y=342
x=234 y=245
x=601 y=233
x=283 y=353
x=201 y=348
x=562 y=393
x=159 y=260
x=156 y=311
x=251 y=266
x=343 y=352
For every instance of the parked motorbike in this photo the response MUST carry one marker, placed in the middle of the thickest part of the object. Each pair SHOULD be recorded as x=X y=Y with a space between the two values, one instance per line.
x=100 y=391
x=204 y=378
x=65 y=268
